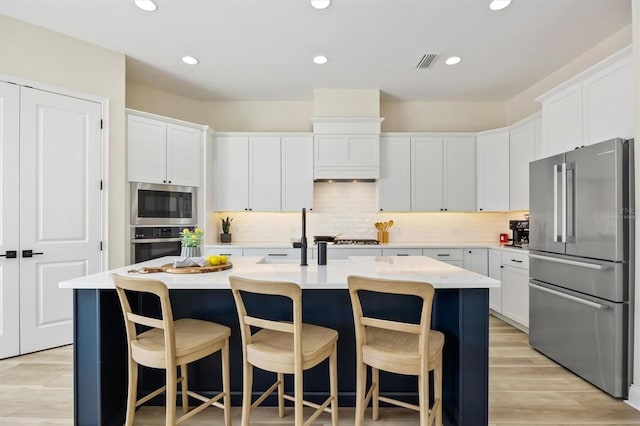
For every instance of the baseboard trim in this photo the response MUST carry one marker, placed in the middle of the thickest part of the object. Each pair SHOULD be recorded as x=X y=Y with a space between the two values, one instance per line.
x=634 y=397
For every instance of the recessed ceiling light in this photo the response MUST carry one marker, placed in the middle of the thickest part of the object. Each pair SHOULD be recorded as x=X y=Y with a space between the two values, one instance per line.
x=453 y=60
x=320 y=60
x=189 y=60
x=320 y=4
x=146 y=5
x=499 y=4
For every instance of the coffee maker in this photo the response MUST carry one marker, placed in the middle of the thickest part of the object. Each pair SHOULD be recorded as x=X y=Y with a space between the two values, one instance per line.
x=520 y=229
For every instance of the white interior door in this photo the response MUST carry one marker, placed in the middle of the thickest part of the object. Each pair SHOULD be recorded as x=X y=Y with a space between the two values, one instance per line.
x=60 y=210
x=9 y=216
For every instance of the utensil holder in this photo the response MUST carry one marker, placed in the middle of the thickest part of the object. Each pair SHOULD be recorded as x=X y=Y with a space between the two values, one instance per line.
x=383 y=236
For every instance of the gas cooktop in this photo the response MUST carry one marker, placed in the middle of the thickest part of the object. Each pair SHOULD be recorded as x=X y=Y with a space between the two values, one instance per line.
x=355 y=241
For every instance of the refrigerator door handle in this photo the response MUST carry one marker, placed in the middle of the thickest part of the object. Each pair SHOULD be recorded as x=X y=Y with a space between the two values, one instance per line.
x=569 y=297
x=563 y=236
x=555 y=203
x=571 y=262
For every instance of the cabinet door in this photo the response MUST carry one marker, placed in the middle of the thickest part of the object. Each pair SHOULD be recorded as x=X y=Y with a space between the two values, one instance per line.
x=426 y=174
x=147 y=150
x=9 y=220
x=347 y=150
x=343 y=253
x=183 y=155
x=495 y=272
x=297 y=172
x=264 y=173
x=492 y=161
x=608 y=103
x=459 y=173
x=401 y=252
x=515 y=294
x=394 y=185
x=231 y=171
x=475 y=260
x=522 y=142
x=562 y=121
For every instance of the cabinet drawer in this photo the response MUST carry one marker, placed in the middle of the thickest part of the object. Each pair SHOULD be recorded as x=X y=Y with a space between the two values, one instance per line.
x=343 y=253
x=445 y=255
x=282 y=253
x=208 y=251
x=401 y=252
x=517 y=260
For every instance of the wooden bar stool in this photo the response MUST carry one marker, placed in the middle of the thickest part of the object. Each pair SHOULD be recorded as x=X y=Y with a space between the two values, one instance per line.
x=169 y=344
x=284 y=348
x=397 y=347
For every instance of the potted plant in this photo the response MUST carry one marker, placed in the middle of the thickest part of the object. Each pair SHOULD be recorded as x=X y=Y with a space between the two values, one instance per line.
x=225 y=237
x=191 y=241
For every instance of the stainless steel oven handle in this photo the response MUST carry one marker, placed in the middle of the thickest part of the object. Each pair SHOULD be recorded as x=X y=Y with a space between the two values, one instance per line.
x=571 y=262
x=555 y=203
x=154 y=240
x=569 y=297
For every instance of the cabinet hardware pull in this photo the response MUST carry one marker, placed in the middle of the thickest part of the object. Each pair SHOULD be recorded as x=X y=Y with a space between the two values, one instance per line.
x=225 y=254
x=30 y=253
x=277 y=254
x=516 y=260
x=10 y=254
x=402 y=254
x=442 y=254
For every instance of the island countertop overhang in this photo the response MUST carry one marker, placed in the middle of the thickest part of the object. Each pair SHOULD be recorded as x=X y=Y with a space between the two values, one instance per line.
x=314 y=277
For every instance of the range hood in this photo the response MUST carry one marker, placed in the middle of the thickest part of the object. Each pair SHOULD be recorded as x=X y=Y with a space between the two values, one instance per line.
x=346 y=149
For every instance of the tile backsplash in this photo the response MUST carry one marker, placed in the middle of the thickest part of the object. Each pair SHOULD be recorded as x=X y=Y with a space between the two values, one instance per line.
x=350 y=209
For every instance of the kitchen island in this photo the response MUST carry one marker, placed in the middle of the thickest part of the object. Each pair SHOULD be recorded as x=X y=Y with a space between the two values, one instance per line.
x=460 y=311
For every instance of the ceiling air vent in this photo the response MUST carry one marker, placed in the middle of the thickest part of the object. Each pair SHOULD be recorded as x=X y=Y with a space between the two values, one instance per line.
x=427 y=60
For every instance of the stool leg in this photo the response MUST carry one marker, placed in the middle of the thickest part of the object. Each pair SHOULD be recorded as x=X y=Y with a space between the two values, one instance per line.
x=375 y=381
x=185 y=388
x=333 y=379
x=247 y=381
x=298 y=394
x=361 y=384
x=281 y=395
x=226 y=388
x=132 y=391
x=437 y=390
x=172 y=384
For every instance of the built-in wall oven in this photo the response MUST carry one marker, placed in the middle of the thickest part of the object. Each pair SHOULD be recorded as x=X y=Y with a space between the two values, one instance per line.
x=150 y=242
x=163 y=205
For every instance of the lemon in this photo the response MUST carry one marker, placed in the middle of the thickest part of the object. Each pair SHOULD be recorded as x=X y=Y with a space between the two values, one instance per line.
x=223 y=259
x=213 y=259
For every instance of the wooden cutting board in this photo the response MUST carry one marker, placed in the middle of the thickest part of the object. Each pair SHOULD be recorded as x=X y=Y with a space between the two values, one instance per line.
x=186 y=270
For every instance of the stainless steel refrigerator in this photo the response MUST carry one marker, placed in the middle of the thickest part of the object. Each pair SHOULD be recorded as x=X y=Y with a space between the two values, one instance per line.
x=581 y=241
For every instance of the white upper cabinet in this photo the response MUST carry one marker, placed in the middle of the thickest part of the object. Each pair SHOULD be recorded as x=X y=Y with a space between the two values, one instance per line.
x=492 y=161
x=523 y=138
x=163 y=152
x=265 y=172
x=231 y=173
x=297 y=172
x=608 y=103
x=443 y=173
x=427 y=173
x=394 y=185
x=459 y=173
x=593 y=106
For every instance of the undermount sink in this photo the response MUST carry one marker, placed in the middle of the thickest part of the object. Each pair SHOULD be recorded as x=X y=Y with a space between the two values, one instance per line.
x=277 y=260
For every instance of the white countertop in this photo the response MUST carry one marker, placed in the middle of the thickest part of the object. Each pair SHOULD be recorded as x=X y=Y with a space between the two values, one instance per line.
x=330 y=276
x=448 y=244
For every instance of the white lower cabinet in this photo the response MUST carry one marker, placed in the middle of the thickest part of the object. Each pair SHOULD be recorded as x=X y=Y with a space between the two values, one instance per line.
x=515 y=287
x=402 y=252
x=450 y=256
x=475 y=260
x=343 y=253
x=495 y=272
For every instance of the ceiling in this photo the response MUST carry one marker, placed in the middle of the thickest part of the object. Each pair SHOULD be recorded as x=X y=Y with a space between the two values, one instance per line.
x=262 y=50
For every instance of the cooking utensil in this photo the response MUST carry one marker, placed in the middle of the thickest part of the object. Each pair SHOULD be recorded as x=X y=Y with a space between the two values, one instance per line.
x=390 y=224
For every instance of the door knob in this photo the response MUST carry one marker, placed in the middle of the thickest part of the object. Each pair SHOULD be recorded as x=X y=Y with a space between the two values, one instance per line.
x=10 y=254
x=30 y=253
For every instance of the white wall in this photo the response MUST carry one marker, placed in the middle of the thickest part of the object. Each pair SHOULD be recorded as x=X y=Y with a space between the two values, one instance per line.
x=36 y=54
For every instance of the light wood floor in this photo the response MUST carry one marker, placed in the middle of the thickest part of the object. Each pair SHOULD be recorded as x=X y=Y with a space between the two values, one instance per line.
x=525 y=388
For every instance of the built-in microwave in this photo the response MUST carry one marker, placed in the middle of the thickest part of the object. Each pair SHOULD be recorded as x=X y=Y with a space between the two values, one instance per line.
x=155 y=204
